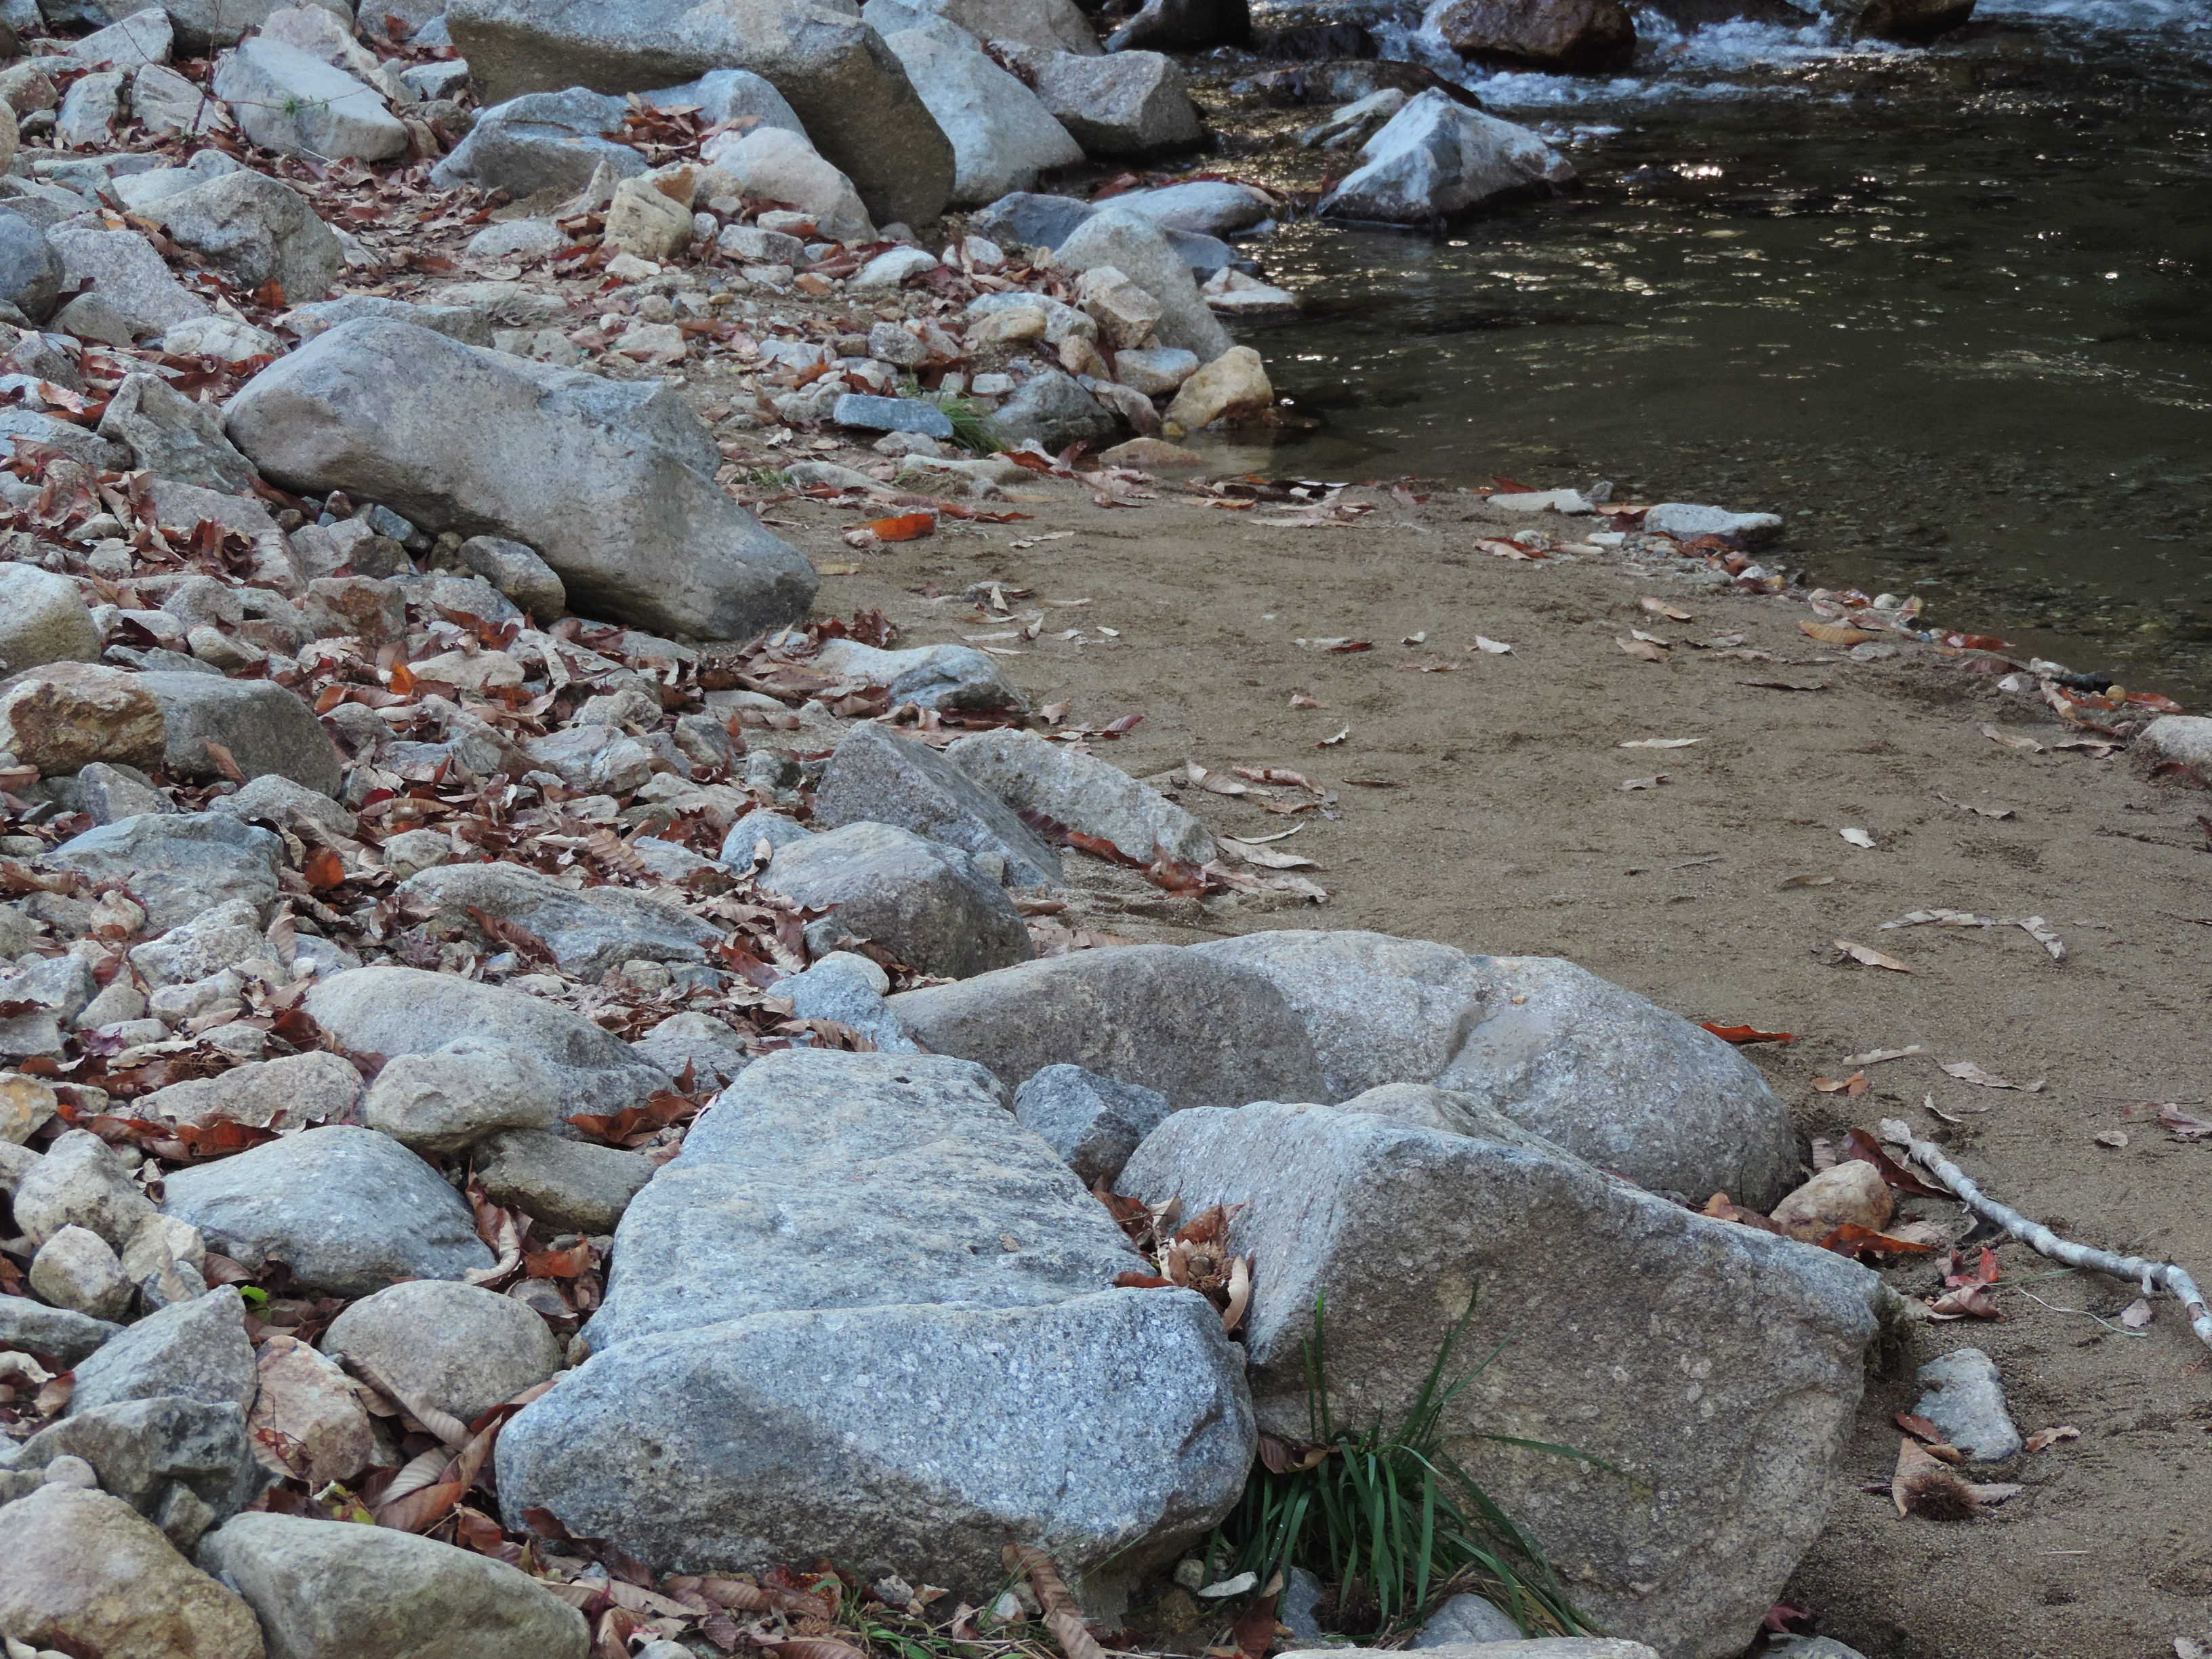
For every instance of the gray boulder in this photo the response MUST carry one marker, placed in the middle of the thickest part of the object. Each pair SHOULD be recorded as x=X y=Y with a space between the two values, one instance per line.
x=1028 y=220
x=69 y=1337
x=406 y=1011
x=1110 y=1429
x=330 y=1589
x=171 y=436
x=453 y=1096
x=1002 y=136
x=539 y=142
x=462 y=1349
x=294 y=103
x=730 y=94
x=891 y=413
x=1033 y=773
x=1436 y=158
x=926 y=903
x=1047 y=25
x=347 y=1210
x=257 y=230
x=1208 y=207
x=1200 y=1031
x=571 y=1186
x=289 y=1092
x=51 y=432
x=926 y=676
x=265 y=727
x=1183 y=25
x=1093 y=1122
x=834 y=72
x=78 y=1184
x=125 y=272
x=611 y=481
x=196 y=1349
x=470 y=325
x=144 y=1451
x=1141 y=250
x=1716 y=1368
x=1463 y=1619
x=1605 y=1074
x=589 y=930
x=823 y=1179
x=1133 y=103
x=873 y=777
x=1684 y=520
x=30 y=269
x=849 y=988
x=43 y=619
x=517 y=572
x=713 y=1051
x=1052 y=409
x=179 y=865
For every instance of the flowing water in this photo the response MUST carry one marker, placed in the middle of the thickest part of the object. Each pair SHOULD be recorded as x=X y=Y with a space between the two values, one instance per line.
x=1948 y=309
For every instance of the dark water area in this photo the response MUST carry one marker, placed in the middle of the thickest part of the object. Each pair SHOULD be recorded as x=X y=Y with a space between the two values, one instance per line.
x=1948 y=310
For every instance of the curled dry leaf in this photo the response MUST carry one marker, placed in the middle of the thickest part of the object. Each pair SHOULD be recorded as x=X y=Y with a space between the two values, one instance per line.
x=1924 y=1485
x=2012 y=740
x=1966 y=1072
x=1882 y=1056
x=2044 y=1439
x=1280 y=1456
x=1722 y=1207
x=2186 y=1126
x=1833 y=633
x=1858 y=837
x=1300 y=700
x=1741 y=1034
x=2115 y=1138
x=1646 y=783
x=1331 y=743
x=1492 y=648
x=1659 y=607
x=1863 y=1147
x=1872 y=958
x=1851 y=1239
x=2137 y=1313
x=1644 y=649
x=1856 y=1084
x=1920 y=1427
x=905 y=527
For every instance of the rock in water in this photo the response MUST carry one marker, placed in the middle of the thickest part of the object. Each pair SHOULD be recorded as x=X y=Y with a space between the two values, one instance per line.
x=1899 y=19
x=1132 y=245
x=1715 y=1367
x=612 y=483
x=1200 y=1032
x=1584 y=37
x=328 y=1589
x=88 y=1572
x=837 y=74
x=822 y=1179
x=1436 y=158
x=1111 y=1429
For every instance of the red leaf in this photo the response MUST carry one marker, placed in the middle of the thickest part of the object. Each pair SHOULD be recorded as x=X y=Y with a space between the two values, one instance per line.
x=1859 y=1144
x=1748 y=1033
x=907 y=527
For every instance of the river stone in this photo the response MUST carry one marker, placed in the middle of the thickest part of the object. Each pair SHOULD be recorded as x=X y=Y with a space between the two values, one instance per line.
x=461 y=1348
x=196 y=1349
x=66 y=1337
x=929 y=675
x=332 y=1590
x=832 y=70
x=470 y=325
x=63 y=716
x=926 y=903
x=713 y=1051
x=1464 y=1620
x=1032 y=774
x=849 y=988
x=1582 y=37
x=1002 y=136
x=824 y=1179
x=873 y=414
x=171 y=436
x=347 y=1209
x=1052 y=409
x=913 y=1438
x=30 y=269
x=292 y=102
x=589 y=930
x=779 y=166
x=87 y=1571
x=1201 y=1031
x=139 y=1447
x=1603 y=1072
x=1212 y=208
x=1685 y=520
x=1716 y=1367
x=611 y=481
x=1183 y=25
x=451 y=1097
x=78 y=1269
x=406 y=1011
x=571 y=1186
x=873 y=777
x=126 y=272
x=43 y=619
x=1436 y=158
x=1964 y=1397
x=1093 y=1122
x=517 y=572
x=289 y=1092
x=180 y=864
x=257 y=230
x=1133 y=103
x=265 y=727
x=80 y=1183
x=1141 y=250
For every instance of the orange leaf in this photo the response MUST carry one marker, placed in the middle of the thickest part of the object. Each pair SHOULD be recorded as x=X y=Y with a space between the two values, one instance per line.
x=1833 y=634
x=325 y=868
x=1747 y=1034
x=907 y=527
x=402 y=681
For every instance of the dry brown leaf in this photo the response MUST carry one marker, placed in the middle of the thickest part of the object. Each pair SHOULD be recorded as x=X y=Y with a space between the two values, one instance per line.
x=2011 y=740
x=2186 y=1126
x=1872 y=958
x=2115 y=1138
x=2043 y=1439
x=1856 y=1084
x=1641 y=648
x=1659 y=607
x=1966 y=1072
x=2137 y=1313
x=1833 y=634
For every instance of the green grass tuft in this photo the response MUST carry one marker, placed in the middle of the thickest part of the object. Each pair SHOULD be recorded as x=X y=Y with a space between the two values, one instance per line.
x=973 y=429
x=1390 y=1518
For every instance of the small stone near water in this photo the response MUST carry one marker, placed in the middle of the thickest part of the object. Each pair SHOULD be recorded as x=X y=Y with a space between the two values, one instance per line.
x=1234 y=384
x=1685 y=520
x=1852 y=1194
x=1435 y=158
x=1093 y=1122
x=1032 y=774
x=874 y=777
x=461 y=1348
x=1583 y=37
x=1964 y=1397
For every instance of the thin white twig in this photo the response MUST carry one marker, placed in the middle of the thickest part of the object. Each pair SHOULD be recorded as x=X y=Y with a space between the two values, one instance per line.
x=2040 y=1238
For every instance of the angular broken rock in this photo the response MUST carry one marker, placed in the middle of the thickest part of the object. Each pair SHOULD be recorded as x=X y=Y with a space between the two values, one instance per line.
x=347 y=1210
x=1131 y=103
x=139 y=1448
x=1716 y=1368
x=876 y=778
x=61 y=716
x=589 y=930
x=294 y=103
x=406 y=1011
x=928 y=676
x=265 y=727
x=837 y=74
x=168 y=433
x=309 y=1419
x=611 y=481
x=1964 y=1398
x=44 y=621
x=1607 y=1074
x=327 y=1588
x=259 y=230
x=1200 y=1031
x=1132 y=245
x=1032 y=774
x=196 y=1349
x=926 y=903
x=1093 y=1122
x=1111 y=1429
x=1436 y=158
x=822 y=1179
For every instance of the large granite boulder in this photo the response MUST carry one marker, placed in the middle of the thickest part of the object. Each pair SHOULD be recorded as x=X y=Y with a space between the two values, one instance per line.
x=1436 y=158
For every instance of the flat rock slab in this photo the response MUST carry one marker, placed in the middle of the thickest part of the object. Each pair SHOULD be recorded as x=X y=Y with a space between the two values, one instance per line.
x=822 y=1179
x=1201 y=1032
x=913 y=1439
x=180 y=865
x=1715 y=1367
x=406 y=1011
x=350 y=1211
x=589 y=929
x=1033 y=773
x=611 y=481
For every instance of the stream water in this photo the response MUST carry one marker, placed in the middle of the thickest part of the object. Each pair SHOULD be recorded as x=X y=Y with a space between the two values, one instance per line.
x=1948 y=309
